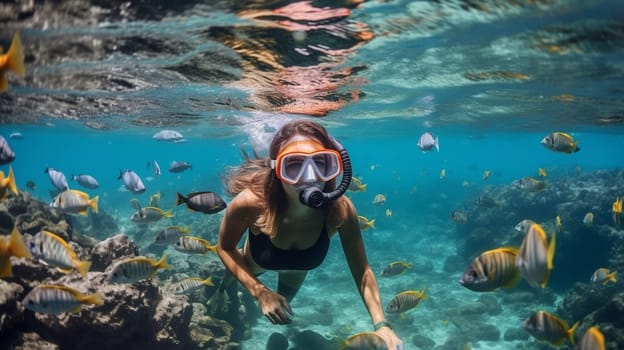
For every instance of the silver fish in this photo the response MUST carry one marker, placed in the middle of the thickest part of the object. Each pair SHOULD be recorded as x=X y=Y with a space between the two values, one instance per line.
x=54 y=251
x=6 y=153
x=74 y=202
x=427 y=143
x=178 y=167
x=405 y=301
x=547 y=327
x=189 y=285
x=132 y=181
x=86 y=181
x=205 y=202
x=150 y=214
x=58 y=179
x=560 y=142
x=194 y=245
x=535 y=257
x=54 y=299
x=529 y=184
x=593 y=339
x=168 y=136
x=170 y=235
x=396 y=268
x=136 y=269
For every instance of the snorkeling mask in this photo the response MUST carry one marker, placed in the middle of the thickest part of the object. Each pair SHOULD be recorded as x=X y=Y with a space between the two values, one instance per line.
x=323 y=165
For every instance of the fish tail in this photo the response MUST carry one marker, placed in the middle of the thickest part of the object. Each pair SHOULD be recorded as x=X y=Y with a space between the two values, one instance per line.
x=11 y=179
x=551 y=251
x=185 y=230
x=611 y=277
x=5 y=266
x=162 y=263
x=16 y=56
x=93 y=299
x=363 y=187
x=180 y=198
x=208 y=281
x=83 y=267
x=437 y=144
x=213 y=248
x=17 y=247
x=118 y=177
x=168 y=213
x=571 y=332
x=371 y=224
x=93 y=203
x=423 y=295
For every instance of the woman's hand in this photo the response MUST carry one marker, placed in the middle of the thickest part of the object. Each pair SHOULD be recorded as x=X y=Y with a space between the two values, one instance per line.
x=392 y=341
x=274 y=307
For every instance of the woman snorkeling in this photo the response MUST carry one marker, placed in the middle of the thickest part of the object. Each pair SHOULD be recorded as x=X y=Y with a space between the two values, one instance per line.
x=291 y=207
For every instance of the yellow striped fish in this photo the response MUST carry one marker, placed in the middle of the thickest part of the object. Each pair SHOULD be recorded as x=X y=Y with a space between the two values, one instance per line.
x=74 y=202
x=592 y=340
x=547 y=327
x=396 y=268
x=137 y=269
x=54 y=251
x=405 y=301
x=53 y=299
x=194 y=245
x=492 y=269
x=189 y=285
x=12 y=245
x=364 y=341
x=535 y=258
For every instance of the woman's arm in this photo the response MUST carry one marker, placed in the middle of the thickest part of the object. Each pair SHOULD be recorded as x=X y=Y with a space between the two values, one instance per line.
x=239 y=215
x=353 y=247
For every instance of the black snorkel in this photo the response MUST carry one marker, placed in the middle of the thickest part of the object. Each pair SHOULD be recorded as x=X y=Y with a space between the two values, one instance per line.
x=315 y=198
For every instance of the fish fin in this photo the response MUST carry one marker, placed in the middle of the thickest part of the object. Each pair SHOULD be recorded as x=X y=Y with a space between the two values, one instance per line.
x=93 y=299
x=4 y=82
x=423 y=295
x=83 y=212
x=11 y=179
x=213 y=248
x=5 y=266
x=93 y=203
x=16 y=56
x=371 y=224
x=208 y=281
x=185 y=230
x=180 y=198
x=571 y=332
x=17 y=247
x=75 y=310
x=514 y=281
x=168 y=213
x=437 y=144
x=83 y=267
x=611 y=277
x=551 y=251
x=65 y=271
x=363 y=187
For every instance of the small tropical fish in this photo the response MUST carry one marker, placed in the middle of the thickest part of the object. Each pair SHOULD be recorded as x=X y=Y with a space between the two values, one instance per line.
x=529 y=184
x=465 y=184
x=364 y=341
x=588 y=219
x=54 y=251
x=486 y=174
x=593 y=339
x=205 y=202
x=442 y=174
x=7 y=183
x=86 y=181
x=55 y=299
x=16 y=136
x=74 y=202
x=459 y=216
x=396 y=268
x=12 y=60
x=616 y=211
x=535 y=257
x=357 y=185
x=560 y=142
x=603 y=275
x=388 y=212
x=132 y=181
x=405 y=301
x=524 y=225
x=58 y=179
x=189 y=285
x=578 y=170
x=156 y=167
x=168 y=136
x=558 y=224
x=178 y=167
x=547 y=327
x=137 y=269
x=486 y=202
x=6 y=153
x=365 y=224
x=426 y=142
x=12 y=245
x=171 y=234
x=491 y=270
x=194 y=245
x=154 y=200
x=30 y=184
x=541 y=172
x=380 y=199
x=150 y=214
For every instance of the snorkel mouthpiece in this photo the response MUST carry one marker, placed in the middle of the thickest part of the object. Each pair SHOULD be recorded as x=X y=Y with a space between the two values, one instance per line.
x=315 y=198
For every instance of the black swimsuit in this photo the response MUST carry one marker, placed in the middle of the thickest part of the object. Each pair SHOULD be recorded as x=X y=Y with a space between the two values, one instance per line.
x=270 y=257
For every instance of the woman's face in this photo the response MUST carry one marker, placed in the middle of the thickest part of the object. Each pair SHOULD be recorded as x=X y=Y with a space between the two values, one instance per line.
x=300 y=143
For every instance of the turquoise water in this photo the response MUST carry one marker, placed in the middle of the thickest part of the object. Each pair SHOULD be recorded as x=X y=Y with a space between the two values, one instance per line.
x=490 y=79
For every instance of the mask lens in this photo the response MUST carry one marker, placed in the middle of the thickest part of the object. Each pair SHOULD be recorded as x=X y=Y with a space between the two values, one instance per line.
x=326 y=165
